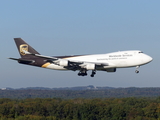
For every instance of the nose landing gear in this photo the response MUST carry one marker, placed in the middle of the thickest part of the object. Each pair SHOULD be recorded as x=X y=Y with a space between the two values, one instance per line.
x=137 y=71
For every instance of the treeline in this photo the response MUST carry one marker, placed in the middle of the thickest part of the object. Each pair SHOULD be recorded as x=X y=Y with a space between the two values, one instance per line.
x=71 y=94
x=80 y=109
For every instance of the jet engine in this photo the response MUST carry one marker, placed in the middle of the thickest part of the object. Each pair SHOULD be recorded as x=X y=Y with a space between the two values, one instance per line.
x=64 y=63
x=111 y=70
x=90 y=67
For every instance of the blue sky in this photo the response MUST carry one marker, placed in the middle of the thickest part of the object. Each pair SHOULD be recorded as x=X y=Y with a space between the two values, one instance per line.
x=55 y=27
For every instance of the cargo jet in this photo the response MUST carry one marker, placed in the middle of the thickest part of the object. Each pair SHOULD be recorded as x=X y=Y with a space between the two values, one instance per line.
x=98 y=62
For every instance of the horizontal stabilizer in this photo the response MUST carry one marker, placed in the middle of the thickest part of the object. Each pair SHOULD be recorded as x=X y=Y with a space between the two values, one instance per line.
x=24 y=61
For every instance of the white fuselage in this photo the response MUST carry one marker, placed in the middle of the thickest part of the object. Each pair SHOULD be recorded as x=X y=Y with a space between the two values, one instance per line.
x=102 y=62
x=120 y=59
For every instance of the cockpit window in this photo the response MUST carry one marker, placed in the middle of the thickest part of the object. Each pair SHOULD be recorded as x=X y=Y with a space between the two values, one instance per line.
x=140 y=52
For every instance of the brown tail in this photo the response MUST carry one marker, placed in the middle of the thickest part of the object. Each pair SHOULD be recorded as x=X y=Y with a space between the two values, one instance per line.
x=23 y=46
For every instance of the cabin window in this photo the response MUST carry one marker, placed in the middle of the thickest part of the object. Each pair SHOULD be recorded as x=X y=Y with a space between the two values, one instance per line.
x=140 y=52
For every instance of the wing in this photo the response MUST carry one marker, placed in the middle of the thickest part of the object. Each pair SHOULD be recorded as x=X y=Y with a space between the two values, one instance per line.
x=38 y=55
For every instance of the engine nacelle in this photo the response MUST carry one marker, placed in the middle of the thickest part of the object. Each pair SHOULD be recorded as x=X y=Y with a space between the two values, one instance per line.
x=111 y=70
x=63 y=63
x=90 y=66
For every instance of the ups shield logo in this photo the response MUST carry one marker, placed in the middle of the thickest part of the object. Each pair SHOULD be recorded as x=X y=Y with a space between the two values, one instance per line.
x=23 y=47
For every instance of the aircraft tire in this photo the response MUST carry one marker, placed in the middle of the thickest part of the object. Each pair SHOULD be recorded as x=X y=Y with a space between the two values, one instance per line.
x=137 y=71
x=92 y=75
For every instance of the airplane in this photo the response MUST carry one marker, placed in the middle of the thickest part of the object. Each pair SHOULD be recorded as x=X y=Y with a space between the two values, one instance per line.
x=97 y=62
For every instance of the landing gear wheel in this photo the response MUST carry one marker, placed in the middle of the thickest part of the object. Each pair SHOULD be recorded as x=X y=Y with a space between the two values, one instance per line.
x=137 y=71
x=92 y=75
x=82 y=72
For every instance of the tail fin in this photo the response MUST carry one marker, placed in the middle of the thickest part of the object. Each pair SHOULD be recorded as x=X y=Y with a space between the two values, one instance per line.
x=22 y=45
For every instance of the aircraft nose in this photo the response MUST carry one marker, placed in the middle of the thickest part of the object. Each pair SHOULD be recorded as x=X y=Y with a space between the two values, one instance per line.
x=148 y=58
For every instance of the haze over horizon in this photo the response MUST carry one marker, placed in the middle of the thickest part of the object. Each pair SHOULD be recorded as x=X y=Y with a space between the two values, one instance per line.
x=56 y=28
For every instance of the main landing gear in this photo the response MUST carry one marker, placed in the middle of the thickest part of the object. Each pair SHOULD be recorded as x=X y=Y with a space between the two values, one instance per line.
x=93 y=73
x=137 y=71
x=83 y=72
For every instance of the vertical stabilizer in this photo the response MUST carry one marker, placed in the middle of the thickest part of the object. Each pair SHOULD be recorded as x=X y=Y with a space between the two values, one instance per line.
x=23 y=46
